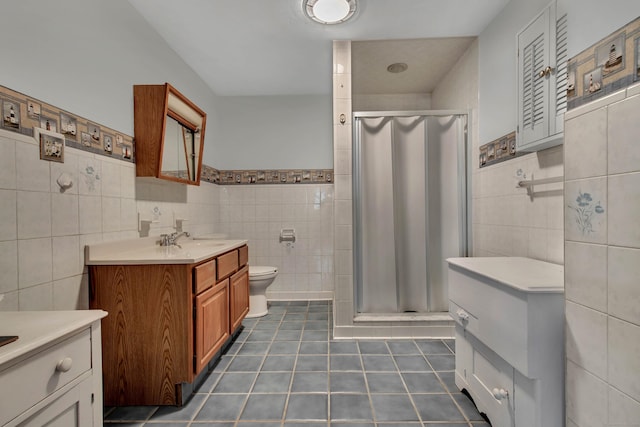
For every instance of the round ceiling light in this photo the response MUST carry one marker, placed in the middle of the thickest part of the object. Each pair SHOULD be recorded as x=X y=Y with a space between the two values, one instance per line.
x=397 y=67
x=329 y=11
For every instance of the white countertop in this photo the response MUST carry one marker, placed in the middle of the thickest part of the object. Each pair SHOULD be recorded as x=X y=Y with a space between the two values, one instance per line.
x=37 y=328
x=147 y=251
x=523 y=274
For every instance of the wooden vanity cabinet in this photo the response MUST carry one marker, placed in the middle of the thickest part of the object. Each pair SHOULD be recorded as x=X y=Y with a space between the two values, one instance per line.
x=166 y=324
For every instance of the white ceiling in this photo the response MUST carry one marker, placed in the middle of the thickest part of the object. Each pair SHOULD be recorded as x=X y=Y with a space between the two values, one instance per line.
x=269 y=47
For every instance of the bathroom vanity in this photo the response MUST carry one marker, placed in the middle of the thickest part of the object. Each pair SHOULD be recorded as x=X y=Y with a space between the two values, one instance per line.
x=51 y=374
x=509 y=315
x=172 y=310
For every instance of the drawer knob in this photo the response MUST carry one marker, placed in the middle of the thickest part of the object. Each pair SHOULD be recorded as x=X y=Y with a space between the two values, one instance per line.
x=463 y=315
x=64 y=365
x=500 y=393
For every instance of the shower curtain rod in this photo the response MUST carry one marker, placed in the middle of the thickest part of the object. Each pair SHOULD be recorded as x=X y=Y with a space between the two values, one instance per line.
x=409 y=113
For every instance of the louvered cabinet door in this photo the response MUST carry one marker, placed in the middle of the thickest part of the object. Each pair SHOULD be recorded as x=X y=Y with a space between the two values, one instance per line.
x=541 y=81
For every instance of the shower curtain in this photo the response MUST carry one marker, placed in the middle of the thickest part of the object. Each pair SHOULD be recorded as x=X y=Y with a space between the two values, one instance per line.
x=408 y=207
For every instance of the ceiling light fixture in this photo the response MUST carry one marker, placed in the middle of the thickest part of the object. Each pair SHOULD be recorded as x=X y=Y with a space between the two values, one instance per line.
x=397 y=67
x=329 y=11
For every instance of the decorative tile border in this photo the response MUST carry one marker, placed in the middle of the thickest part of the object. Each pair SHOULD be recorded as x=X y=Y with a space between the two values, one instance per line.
x=22 y=113
x=499 y=150
x=606 y=67
x=266 y=176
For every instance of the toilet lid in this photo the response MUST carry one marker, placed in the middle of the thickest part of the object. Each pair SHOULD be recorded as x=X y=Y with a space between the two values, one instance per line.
x=261 y=270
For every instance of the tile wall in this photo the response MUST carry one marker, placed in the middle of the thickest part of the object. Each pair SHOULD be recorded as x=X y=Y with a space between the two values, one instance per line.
x=259 y=213
x=602 y=261
x=43 y=230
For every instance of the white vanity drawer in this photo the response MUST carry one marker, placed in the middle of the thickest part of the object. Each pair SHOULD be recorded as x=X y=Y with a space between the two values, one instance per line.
x=464 y=318
x=27 y=382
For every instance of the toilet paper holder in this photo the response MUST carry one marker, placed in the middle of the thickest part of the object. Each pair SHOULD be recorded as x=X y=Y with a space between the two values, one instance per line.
x=288 y=235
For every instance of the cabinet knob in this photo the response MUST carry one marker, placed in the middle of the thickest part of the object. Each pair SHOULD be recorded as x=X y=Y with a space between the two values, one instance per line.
x=64 y=365
x=463 y=315
x=500 y=393
x=545 y=72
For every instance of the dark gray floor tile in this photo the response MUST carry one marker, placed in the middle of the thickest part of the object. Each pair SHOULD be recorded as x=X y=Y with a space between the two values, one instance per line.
x=273 y=316
x=131 y=413
x=212 y=424
x=119 y=424
x=253 y=348
x=308 y=382
x=284 y=347
x=373 y=347
x=221 y=407
x=209 y=382
x=433 y=347
x=249 y=323
x=412 y=363
x=449 y=425
x=322 y=315
x=295 y=317
x=442 y=362
x=347 y=382
x=223 y=363
x=378 y=363
x=252 y=424
x=468 y=407
x=303 y=424
x=291 y=326
x=343 y=347
x=167 y=424
x=234 y=382
x=279 y=363
x=314 y=347
x=233 y=348
x=423 y=382
x=266 y=325
x=393 y=407
x=260 y=335
x=403 y=347
x=388 y=382
x=344 y=362
x=437 y=407
x=404 y=424
x=307 y=407
x=245 y=364
x=350 y=424
x=299 y=303
x=272 y=382
x=449 y=380
x=278 y=304
x=289 y=335
x=264 y=407
x=315 y=335
x=351 y=407
x=316 y=326
x=185 y=413
x=312 y=363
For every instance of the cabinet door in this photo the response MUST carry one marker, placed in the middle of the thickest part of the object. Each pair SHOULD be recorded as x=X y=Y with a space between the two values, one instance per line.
x=542 y=81
x=72 y=409
x=211 y=323
x=533 y=97
x=239 y=297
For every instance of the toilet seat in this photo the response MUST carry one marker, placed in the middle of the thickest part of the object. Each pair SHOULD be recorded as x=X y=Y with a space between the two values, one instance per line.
x=260 y=270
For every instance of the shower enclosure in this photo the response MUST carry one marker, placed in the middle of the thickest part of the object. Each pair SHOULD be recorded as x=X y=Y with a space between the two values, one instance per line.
x=410 y=204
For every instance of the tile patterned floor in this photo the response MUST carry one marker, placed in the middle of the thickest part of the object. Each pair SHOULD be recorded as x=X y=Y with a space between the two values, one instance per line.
x=285 y=371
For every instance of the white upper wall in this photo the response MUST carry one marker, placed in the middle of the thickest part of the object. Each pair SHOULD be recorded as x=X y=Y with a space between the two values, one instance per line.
x=588 y=22
x=274 y=132
x=84 y=56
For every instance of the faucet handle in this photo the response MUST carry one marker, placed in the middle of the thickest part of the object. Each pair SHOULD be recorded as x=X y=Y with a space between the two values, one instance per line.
x=165 y=240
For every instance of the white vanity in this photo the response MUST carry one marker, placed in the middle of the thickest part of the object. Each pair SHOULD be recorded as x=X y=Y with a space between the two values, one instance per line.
x=509 y=315
x=52 y=374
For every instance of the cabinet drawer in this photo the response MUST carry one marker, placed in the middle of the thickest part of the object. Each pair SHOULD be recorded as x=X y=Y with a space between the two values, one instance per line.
x=244 y=255
x=205 y=276
x=31 y=380
x=227 y=264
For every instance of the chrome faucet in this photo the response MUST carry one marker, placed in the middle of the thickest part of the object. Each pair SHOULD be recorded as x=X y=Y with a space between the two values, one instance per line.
x=171 y=239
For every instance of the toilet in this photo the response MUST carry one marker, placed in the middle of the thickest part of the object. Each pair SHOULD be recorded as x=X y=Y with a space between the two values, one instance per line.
x=260 y=277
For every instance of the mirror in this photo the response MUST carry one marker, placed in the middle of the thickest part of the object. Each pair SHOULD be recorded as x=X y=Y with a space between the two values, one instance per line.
x=169 y=132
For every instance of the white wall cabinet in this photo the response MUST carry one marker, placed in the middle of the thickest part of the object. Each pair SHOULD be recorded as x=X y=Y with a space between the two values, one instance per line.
x=52 y=375
x=509 y=316
x=542 y=81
